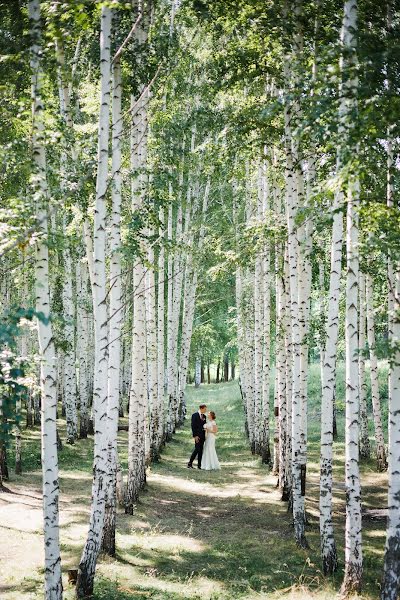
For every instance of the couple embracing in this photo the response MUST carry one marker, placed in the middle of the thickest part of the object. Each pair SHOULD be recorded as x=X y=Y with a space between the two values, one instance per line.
x=204 y=433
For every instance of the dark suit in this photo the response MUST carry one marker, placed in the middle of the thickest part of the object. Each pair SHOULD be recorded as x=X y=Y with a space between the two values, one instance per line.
x=198 y=423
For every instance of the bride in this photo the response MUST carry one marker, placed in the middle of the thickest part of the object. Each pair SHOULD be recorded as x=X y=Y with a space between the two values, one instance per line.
x=210 y=459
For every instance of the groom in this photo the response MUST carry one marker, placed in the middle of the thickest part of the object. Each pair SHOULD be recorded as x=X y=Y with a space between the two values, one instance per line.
x=198 y=422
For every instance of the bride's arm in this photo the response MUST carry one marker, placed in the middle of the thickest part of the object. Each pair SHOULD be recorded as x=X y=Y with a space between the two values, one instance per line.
x=213 y=428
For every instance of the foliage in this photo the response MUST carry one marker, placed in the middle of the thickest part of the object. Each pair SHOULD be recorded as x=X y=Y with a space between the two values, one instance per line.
x=13 y=367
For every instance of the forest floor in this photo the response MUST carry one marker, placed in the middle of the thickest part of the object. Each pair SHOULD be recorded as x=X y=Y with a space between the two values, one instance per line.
x=195 y=534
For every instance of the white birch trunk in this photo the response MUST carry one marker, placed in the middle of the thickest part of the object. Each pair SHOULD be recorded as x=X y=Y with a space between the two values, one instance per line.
x=258 y=331
x=138 y=394
x=52 y=574
x=83 y=345
x=298 y=464
x=197 y=372
x=87 y=565
x=353 y=548
x=70 y=398
x=159 y=431
x=287 y=487
x=380 y=449
x=173 y=393
x=240 y=338
x=170 y=335
x=365 y=450
x=281 y=416
x=353 y=541
x=248 y=324
x=115 y=319
x=391 y=575
x=265 y=448
x=328 y=376
x=152 y=354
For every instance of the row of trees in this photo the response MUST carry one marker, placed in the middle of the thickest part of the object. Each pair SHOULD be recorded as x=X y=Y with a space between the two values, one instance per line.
x=110 y=241
x=321 y=215
x=203 y=174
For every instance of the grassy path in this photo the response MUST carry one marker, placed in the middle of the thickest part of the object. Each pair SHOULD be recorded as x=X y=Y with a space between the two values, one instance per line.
x=226 y=534
x=195 y=534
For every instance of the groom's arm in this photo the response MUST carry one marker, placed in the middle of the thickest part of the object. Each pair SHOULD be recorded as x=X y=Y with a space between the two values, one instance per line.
x=194 y=425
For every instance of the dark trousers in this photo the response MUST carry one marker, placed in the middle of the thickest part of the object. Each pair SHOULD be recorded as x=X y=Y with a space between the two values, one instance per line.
x=198 y=451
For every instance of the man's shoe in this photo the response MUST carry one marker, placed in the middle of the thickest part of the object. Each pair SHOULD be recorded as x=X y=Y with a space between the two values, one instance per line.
x=199 y=467
x=189 y=466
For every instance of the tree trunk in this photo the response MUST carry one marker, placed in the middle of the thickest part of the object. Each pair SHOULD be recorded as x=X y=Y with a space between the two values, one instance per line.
x=152 y=354
x=138 y=393
x=52 y=574
x=197 y=372
x=297 y=433
x=208 y=373
x=202 y=377
x=353 y=543
x=3 y=454
x=69 y=370
x=83 y=346
x=18 y=451
x=170 y=324
x=258 y=337
x=69 y=353
x=281 y=406
x=29 y=410
x=391 y=574
x=365 y=450
x=376 y=405
x=115 y=319
x=36 y=407
x=159 y=431
x=217 y=377
x=266 y=317
x=87 y=565
x=226 y=369
x=287 y=484
x=177 y=300
x=328 y=383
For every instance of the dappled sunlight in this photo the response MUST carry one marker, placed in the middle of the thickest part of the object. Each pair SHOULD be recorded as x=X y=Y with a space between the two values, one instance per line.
x=68 y=476
x=234 y=489
x=173 y=544
x=136 y=581
x=376 y=533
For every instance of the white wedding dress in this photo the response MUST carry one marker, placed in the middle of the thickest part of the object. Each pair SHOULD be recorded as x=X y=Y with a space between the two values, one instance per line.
x=210 y=461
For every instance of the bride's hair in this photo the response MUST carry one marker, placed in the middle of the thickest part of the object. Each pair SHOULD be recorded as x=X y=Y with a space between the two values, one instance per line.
x=212 y=413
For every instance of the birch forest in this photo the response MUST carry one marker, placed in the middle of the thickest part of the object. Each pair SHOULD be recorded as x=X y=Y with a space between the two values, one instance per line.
x=199 y=204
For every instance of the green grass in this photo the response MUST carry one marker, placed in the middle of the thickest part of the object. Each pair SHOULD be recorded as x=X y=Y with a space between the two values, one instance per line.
x=198 y=534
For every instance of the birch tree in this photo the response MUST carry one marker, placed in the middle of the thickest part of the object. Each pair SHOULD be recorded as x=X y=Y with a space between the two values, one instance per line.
x=328 y=376
x=258 y=326
x=265 y=447
x=115 y=310
x=52 y=575
x=380 y=449
x=87 y=565
x=391 y=569
x=159 y=425
x=364 y=433
x=138 y=392
x=353 y=543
